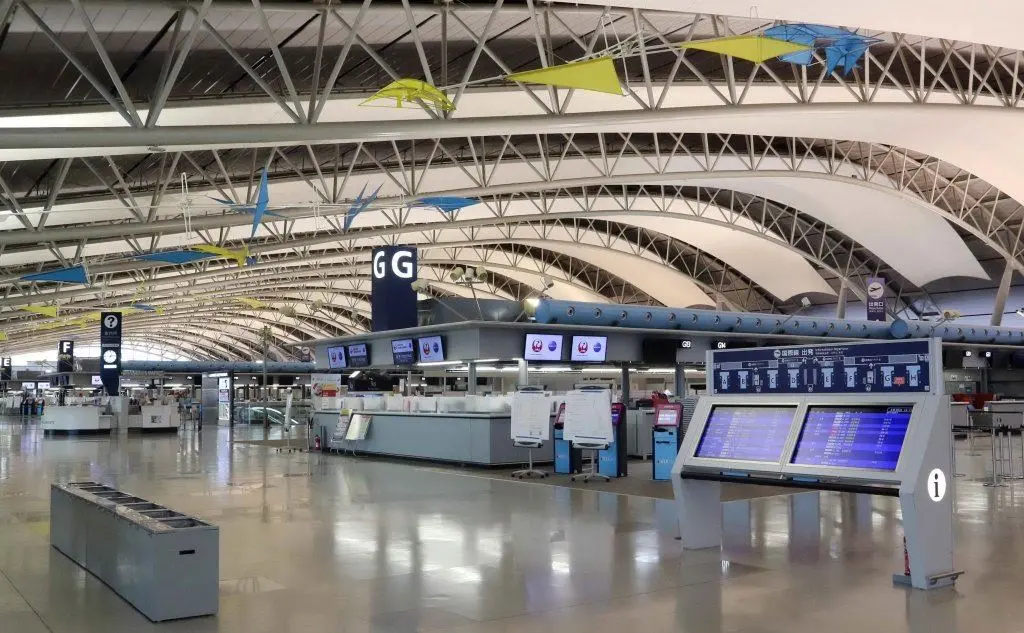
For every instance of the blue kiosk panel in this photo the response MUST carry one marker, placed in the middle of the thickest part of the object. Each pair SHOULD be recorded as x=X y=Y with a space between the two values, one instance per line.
x=611 y=461
x=665 y=440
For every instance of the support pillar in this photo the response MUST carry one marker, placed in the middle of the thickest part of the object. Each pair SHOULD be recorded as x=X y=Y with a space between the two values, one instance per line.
x=523 y=376
x=625 y=386
x=844 y=291
x=1001 y=295
x=471 y=386
x=680 y=381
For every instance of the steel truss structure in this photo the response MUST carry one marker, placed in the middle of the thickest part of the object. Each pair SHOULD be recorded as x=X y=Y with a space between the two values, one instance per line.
x=549 y=202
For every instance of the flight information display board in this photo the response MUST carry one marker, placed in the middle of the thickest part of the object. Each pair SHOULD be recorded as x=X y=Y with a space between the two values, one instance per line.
x=853 y=437
x=883 y=367
x=752 y=433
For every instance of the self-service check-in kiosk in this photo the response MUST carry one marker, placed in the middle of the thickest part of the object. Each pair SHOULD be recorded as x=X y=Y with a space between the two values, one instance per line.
x=568 y=460
x=887 y=434
x=665 y=439
x=611 y=461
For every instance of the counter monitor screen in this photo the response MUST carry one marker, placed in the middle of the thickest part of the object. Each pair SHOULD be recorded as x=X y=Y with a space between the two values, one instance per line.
x=589 y=349
x=853 y=437
x=336 y=357
x=667 y=416
x=95 y=381
x=402 y=351
x=358 y=356
x=543 y=347
x=751 y=433
x=431 y=349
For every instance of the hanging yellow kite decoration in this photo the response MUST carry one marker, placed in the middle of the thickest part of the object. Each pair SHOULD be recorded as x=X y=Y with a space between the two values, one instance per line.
x=405 y=90
x=240 y=256
x=595 y=75
x=753 y=48
x=46 y=311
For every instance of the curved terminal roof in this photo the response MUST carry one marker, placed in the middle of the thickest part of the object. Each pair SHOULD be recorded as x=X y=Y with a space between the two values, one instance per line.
x=712 y=181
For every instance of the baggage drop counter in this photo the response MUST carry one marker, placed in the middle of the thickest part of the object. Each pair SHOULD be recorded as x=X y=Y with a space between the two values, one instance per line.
x=883 y=429
x=480 y=439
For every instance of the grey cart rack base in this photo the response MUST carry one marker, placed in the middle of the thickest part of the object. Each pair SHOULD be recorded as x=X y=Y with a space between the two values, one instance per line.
x=164 y=563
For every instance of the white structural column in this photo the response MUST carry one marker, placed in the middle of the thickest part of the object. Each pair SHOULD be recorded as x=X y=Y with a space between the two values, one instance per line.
x=1002 y=295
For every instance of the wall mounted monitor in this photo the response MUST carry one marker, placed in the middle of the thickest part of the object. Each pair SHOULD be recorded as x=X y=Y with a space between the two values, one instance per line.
x=430 y=349
x=853 y=437
x=336 y=357
x=661 y=351
x=543 y=347
x=402 y=351
x=589 y=349
x=95 y=381
x=751 y=433
x=358 y=355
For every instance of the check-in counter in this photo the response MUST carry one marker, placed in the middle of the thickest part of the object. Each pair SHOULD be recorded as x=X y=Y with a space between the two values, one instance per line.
x=156 y=417
x=75 y=420
x=482 y=439
x=959 y=415
x=1007 y=413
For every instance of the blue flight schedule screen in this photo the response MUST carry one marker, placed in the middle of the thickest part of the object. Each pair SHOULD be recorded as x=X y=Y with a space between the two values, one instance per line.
x=853 y=437
x=746 y=432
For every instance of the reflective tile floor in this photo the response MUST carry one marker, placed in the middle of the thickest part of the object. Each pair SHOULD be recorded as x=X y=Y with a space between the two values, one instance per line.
x=325 y=543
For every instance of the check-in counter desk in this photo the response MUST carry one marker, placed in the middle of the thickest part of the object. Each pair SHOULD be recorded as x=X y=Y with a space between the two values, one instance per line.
x=1007 y=414
x=482 y=439
x=155 y=418
x=75 y=420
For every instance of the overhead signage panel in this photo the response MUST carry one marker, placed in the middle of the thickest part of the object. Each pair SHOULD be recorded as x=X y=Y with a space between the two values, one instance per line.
x=882 y=367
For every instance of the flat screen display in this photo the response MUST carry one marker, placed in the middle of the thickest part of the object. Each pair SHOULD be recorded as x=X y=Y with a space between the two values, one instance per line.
x=95 y=381
x=667 y=416
x=431 y=349
x=358 y=355
x=750 y=433
x=589 y=349
x=336 y=357
x=543 y=347
x=853 y=437
x=402 y=351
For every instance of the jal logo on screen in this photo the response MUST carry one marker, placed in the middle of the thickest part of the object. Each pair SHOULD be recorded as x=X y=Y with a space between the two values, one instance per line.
x=582 y=347
x=538 y=345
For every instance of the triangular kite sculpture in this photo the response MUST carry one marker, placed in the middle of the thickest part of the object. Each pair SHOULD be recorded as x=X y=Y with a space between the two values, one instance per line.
x=46 y=311
x=252 y=303
x=259 y=209
x=241 y=256
x=359 y=206
x=842 y=48
x=72 y=275
x=405 y=90
x=596 y=75
x=753 y=48
x=445 y=204
x=176 y=257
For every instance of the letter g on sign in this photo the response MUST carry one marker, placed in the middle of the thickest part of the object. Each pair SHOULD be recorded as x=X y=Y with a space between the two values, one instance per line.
x=378 y=265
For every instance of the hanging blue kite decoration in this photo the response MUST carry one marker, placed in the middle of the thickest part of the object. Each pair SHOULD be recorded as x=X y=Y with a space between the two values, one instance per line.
x=259 y=209
x=176 y=257
x=445 y=204
x=842 y=48
x=72 y=275
x=360 y=205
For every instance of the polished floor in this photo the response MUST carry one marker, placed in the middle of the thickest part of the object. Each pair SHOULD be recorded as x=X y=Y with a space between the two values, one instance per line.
x=326 y=543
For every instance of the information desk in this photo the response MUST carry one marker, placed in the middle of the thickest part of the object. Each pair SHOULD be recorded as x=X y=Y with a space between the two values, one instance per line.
x=481 y=439
x=156 y=418
x=75 y=420
x=884 y=444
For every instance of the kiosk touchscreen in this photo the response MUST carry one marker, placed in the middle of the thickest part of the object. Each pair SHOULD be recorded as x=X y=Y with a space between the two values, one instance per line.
x=753 y=433
x=568 y=460
x=665 y=439
x=611 y=461
x=853 y=437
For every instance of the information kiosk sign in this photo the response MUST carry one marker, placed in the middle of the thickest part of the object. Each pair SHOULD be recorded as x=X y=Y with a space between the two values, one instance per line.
x=885 y=432
x=882 y=367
